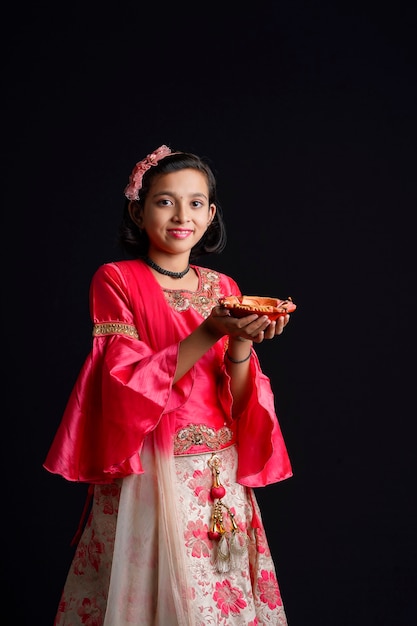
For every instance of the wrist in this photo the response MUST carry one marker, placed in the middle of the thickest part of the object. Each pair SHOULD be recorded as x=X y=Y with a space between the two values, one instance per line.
x=210 y=330
x=240 y=339
x=237 y=361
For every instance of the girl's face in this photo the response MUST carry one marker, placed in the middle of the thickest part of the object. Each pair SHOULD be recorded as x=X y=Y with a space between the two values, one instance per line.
x=177 y=212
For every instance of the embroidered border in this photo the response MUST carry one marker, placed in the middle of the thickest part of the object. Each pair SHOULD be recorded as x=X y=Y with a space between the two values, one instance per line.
x=115 y=328
x=201 y=300
x=201 y=435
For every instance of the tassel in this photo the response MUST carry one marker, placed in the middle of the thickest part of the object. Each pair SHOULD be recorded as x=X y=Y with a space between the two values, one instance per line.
x=216 y=527
x=81 y=523
x=256 y=522
x=233 y=559
x=237 y=544
x=223 y=556
x=217 y=490
x=231 y=545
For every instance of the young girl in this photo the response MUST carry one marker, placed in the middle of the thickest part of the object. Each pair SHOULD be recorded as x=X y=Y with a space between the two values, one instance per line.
x=172 y=423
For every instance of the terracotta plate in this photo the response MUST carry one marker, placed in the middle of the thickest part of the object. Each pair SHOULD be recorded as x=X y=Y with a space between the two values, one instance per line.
x=240 y=306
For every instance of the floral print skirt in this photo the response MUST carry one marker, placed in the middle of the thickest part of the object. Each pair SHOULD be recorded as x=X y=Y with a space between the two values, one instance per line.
x=230 y=575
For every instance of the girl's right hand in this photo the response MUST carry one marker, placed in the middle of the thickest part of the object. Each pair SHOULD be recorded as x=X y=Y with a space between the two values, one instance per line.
x=251 y=327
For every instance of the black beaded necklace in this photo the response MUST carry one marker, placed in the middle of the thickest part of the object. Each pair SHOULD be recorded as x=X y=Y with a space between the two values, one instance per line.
x=161 y=270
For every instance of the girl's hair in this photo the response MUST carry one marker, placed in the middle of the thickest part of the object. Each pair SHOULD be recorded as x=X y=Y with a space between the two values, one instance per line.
x=135 y=241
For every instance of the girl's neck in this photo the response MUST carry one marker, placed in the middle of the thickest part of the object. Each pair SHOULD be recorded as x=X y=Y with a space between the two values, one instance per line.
x=189 y=282
x=177 y=275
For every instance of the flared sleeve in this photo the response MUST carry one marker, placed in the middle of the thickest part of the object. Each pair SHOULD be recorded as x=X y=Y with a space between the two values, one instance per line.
x=126 y=382
x=263 y=455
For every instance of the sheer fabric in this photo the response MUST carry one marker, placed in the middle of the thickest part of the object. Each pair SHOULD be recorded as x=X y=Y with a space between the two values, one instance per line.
x=117 y=432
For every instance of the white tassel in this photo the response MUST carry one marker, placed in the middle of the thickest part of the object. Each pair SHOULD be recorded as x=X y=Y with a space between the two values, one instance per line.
x=223 y=556
x=238 y=543
x=237 y=546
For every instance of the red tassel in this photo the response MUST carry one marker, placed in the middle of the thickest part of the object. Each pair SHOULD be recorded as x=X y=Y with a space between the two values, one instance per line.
x=217 y=491
x=80 y=528
x=255 y=522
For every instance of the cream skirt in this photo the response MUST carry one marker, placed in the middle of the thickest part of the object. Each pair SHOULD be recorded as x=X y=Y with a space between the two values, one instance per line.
x=118 y=577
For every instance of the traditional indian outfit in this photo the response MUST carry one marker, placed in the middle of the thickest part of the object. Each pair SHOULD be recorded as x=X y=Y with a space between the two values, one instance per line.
x=174 y=536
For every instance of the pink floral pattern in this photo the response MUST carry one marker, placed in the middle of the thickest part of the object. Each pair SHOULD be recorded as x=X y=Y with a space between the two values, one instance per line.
x=84 y=597
x=197 y=539
x=90 y=613
x=228 y=599
x=200 y=485
x=269 y=590
x=247 y=595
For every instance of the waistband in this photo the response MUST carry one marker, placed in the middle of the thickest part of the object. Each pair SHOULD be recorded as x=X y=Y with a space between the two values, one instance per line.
x=198 y=438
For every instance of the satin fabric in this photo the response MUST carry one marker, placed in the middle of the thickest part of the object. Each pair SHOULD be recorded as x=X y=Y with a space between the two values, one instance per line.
x=124 y=402
x=125 y=391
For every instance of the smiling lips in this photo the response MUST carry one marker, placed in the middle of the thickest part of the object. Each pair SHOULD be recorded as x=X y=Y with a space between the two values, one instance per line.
x=179 y=233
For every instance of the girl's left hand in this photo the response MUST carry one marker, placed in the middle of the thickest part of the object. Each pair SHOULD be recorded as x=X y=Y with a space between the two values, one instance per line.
x=276 y=327
x=253 y=327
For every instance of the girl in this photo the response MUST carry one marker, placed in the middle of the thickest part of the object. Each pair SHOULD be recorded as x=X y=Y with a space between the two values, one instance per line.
x=172 y=423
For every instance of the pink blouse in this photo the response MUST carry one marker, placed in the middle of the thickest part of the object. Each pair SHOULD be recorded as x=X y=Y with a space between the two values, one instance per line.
x=125 y=391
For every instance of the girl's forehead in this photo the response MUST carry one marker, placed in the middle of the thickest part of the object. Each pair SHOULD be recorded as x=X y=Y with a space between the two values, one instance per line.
x=189 y=179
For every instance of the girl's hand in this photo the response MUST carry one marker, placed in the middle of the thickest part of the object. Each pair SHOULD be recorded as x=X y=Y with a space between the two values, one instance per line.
x=277 y=327
x=253 y=327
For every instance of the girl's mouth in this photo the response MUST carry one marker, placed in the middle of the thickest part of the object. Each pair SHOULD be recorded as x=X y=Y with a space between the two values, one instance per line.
x=179 y=233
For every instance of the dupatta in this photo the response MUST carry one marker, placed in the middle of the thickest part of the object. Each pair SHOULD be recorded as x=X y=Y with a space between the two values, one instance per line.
x=155 y=327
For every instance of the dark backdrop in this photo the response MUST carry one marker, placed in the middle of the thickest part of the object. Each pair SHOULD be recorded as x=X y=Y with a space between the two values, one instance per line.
x=307 y=111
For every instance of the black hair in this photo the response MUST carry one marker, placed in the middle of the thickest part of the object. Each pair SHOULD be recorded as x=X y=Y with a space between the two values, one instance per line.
x=135 y=241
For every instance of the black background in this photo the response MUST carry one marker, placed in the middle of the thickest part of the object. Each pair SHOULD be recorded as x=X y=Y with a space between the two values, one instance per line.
x=307 y=112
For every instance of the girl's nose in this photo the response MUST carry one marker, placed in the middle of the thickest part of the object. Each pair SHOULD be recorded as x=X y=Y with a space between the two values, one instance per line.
x=181 y=214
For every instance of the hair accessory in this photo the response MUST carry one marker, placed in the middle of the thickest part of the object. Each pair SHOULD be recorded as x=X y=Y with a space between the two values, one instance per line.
x=135 y=179
x=161 y=270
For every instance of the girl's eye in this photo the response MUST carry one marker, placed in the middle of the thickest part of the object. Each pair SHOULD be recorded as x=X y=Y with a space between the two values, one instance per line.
x=165 y=202
x=196 y=204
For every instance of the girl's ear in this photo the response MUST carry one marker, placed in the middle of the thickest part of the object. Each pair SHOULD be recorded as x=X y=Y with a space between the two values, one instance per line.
x=212 y=213
x=135 y=212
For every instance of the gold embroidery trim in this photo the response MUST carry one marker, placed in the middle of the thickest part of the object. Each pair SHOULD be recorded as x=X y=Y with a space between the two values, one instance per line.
x=201 y=435
x=115 y=328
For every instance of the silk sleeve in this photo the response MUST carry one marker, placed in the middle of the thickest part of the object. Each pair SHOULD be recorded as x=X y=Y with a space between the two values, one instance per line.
x=263 y=456
x=121 y=392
